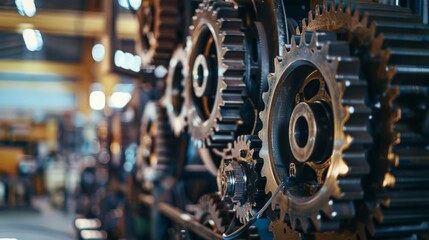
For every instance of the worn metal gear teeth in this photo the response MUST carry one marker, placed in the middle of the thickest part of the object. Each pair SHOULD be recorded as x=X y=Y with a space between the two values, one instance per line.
x=245 y=152
x=211 y=207
x=165 y=142
x=404 y=103
x=349 y=154
x=155 y=126
x=219 y=129
x=163 y=39
x=398 y=73
x=177 y=71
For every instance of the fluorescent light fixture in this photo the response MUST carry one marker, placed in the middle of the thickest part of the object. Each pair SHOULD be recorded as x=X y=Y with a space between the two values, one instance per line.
x=119 y=99
x=33 y=39
x=137 y=62
x=133 y=4
x=98 y=52
x=26 y=7
x=119 y=58
x=97 y=100
x=127 y=61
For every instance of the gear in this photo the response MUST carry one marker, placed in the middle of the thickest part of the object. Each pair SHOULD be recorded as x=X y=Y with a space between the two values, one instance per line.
x=317 y=98
x=239 y=178
x=213 y=212
x=216 y=70
x=394 y=64
x=156 y=141
x=281 y=230
x=158 y=31
x=174 y=100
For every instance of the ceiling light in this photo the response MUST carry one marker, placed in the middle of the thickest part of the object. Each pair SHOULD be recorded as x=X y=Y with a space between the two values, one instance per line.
x=98 y=52
x=119 y=99
x=97 y=100
x=26 y=7
x=119 y=58
x=33 y=39
x=136 y=64
x=127 y=4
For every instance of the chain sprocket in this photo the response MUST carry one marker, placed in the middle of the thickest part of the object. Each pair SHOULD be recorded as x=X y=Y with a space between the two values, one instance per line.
x=324 y=205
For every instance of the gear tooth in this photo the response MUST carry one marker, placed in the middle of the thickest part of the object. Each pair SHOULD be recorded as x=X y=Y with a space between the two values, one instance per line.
x=324 y=7
x=303 y=39
x=293 y=223
x=316 y=221
x=310 y=17
x=293 y=45
x=317 y=12
x=364 y=20
x=313 y=41
x=332 y=5
x=372 y=30
x=304 y=224
x=340 y=6
x=349 y=9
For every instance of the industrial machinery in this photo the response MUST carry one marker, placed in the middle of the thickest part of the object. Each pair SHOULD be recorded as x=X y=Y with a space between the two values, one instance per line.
x=285 y=119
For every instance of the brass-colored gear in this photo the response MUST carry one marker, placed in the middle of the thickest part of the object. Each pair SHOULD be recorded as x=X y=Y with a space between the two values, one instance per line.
x=390 y=41
x=309 y=205
x=216 y=70
x=213 y=212
x=158 y=29
x=239 y=177
x=281 y=230
x=174 y=99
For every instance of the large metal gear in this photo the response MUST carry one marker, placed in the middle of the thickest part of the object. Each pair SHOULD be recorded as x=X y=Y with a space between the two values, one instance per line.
x=396 y=54
x=154 y=155
x=317 y=99
x=158 y=29
x=239 y=177
x=216 y=70
x=174 y=99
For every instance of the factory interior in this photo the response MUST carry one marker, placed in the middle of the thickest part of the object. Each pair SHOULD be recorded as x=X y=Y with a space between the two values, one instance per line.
x=214 y=119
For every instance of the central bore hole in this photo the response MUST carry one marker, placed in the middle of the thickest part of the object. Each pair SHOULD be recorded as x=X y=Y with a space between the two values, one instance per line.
x=200 y=75
x=301 y=132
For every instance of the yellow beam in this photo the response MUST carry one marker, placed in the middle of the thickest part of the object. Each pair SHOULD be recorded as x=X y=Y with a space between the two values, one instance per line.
x=42 y=67
x=39 y=86
x=71 y=23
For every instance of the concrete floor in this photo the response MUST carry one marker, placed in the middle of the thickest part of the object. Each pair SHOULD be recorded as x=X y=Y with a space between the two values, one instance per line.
x=45 y=223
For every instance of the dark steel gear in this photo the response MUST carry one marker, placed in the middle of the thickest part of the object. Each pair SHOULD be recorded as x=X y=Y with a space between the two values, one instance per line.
x=216 y=70
x=316 y=88
x=392 y=42
x=154 y=157
x=174 y=99
x=158 y=28
x=239 y=177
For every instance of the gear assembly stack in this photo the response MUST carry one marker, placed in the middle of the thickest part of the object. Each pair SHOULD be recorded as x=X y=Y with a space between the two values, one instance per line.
x=333 y=105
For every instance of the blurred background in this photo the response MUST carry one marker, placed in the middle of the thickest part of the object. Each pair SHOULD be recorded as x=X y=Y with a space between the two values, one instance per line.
x=56 y=86
x=73 y=90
